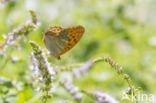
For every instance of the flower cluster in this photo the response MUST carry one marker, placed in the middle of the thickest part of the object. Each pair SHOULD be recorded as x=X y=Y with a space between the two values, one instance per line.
x=82 y=70
x=64 y=101
x=101 y=97
x=43 y=72
x=33 y=17
x=70 y=67
x=112 y=63
x=3 y=1
x=17 y=34
x=74 y=90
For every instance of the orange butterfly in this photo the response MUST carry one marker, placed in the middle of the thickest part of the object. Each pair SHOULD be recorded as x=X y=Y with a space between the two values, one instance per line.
x=59 y=40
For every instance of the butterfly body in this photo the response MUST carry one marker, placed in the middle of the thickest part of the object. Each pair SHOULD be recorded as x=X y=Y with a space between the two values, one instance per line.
x=59 y=40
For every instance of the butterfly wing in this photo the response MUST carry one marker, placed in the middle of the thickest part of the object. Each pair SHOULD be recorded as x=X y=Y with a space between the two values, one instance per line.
x=75 y=34
x=55 y=39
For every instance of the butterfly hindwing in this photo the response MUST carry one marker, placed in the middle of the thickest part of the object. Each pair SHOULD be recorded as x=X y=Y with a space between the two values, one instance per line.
x=55 y=39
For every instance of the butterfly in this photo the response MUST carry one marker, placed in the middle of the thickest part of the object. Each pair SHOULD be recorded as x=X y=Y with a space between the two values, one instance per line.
x=59 y=40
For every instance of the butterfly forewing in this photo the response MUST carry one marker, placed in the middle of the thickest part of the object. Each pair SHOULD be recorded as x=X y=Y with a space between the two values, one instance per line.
x=75 y=35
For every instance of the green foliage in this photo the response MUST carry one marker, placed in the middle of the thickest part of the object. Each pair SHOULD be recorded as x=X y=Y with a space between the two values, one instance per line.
x=121 y=29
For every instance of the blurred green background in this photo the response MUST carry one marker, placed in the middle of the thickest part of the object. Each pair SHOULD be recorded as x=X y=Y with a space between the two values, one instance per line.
x=122 y=29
